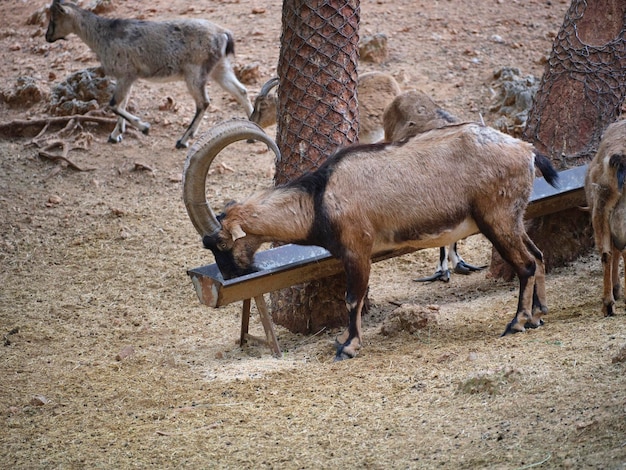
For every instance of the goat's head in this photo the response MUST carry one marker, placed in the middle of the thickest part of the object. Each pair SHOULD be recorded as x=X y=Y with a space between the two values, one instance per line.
x=58 y=25
x=232 y=248
x=413 y=112
x=264 y=113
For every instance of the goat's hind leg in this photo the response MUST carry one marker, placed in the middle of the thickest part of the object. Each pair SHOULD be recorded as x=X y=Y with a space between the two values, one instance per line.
x=224 y=75
x=459 y=265
x=527 y=261
x=357 y=275
x=540 y=307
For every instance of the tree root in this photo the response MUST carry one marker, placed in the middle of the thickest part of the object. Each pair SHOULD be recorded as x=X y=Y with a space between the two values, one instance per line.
x=24 y=127
x=70 y=137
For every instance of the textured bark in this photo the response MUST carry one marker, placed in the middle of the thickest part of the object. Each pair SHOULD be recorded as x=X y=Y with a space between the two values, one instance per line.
x=581 y=92
x=317 y=113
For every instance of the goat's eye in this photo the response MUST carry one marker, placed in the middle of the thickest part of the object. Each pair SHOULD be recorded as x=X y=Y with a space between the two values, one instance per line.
x=222 y=246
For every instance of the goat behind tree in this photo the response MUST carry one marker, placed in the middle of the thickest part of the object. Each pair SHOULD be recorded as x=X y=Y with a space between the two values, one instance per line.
x=129 y=49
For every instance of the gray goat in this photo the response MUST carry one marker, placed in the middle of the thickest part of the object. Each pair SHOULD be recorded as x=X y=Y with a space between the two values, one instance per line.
x=604 y=189
x=130 y=49
x=344 y=208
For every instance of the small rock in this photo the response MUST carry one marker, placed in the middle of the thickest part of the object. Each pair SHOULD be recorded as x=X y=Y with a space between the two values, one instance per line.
x=621 y=356
x=125 y=353
x=54 y=200
x=39 y=400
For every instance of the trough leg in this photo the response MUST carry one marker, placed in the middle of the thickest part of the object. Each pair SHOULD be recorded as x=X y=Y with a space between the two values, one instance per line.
x=245 y=321
x=266 y=320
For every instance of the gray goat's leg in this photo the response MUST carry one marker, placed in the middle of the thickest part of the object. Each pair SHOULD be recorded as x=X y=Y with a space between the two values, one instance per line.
x=118 y=106
x=224 y=75
x=442 y=273
x=196 y=84
x=458 y=264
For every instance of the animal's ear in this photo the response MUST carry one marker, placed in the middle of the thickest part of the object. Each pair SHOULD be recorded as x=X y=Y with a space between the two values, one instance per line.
x=237 y=233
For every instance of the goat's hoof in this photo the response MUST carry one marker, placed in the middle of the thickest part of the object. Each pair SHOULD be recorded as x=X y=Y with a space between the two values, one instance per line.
x=512 y=328
x=609 y=310
x=441 y=275
x=115 y=140
x=145 y=130
x=181 y=145
x=532 y=325
x=342 y=355
x=463 y=268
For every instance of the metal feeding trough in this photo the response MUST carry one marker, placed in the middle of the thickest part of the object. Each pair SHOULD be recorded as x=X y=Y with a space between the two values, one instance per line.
x=288 y=265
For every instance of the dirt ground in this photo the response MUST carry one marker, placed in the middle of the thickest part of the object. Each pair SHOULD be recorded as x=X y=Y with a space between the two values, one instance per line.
x=110 y=361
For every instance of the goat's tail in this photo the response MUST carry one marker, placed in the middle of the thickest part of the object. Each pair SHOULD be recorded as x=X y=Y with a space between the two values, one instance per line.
x=230 y=44
x=547 y=170
x=618 y=163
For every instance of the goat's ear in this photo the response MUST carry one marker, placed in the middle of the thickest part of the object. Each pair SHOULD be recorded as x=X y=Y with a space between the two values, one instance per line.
x=237 y=233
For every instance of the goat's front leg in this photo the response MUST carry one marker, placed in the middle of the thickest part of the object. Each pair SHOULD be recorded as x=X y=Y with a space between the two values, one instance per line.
x=357 y=274
x=525 y=301
x=118 y=106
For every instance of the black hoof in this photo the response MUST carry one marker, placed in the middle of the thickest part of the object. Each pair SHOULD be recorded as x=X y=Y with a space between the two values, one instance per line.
x=609 y=311
x=342 y=355
x=463 y=268
x=509 y=330
x=113 y=141
x=180 y=146
x=250 y=141
x=146 y=131
x=532 y=325
x=443 y=276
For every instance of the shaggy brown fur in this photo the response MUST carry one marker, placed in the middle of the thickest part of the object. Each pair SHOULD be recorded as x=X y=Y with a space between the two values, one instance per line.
x=346 y=210
x=604 y=188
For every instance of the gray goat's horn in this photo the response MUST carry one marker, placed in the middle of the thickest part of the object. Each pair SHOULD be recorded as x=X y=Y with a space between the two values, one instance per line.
x=267 y=86
x=199 y=160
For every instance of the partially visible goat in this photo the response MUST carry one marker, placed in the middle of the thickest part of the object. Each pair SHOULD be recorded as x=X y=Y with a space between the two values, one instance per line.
x=411 y=113
x=130 y=49
x=371 y=198
x=604 y=189
x=375 y=90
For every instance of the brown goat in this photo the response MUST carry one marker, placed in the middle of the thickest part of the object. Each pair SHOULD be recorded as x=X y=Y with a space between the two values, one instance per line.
x=411 y=113
x=353 y=214
x=604 y=189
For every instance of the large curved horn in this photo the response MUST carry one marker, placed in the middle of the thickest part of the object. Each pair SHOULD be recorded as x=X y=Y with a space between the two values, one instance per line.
x=199 y=160
x=267 y=86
